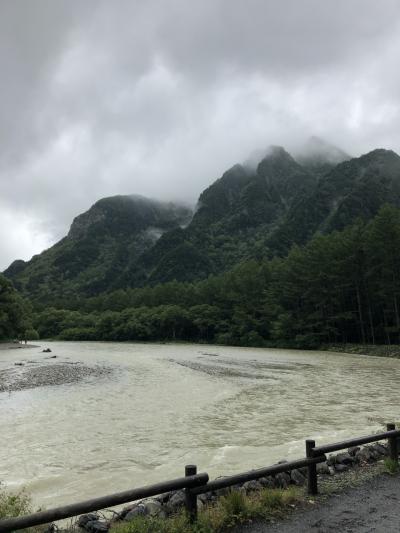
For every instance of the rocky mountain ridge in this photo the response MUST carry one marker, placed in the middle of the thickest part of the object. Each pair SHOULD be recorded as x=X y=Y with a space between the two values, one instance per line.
x=252 y=211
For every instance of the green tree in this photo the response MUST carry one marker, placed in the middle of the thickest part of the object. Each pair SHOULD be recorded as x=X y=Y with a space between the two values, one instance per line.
x=14 y=312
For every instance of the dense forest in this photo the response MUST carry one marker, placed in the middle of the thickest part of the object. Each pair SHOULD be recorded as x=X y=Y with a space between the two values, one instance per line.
x=341 y=287
x=15 y=313
x=287 y=252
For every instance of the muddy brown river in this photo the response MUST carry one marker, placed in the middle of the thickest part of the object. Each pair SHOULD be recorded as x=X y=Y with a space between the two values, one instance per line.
x=132 y=414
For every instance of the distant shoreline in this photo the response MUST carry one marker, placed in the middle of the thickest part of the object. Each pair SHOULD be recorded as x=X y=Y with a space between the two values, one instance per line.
x=16 y=345
x=377 y=350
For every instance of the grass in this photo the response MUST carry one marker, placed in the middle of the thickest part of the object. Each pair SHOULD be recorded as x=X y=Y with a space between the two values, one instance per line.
x=230 y=510
x=391 y=466
x=12 y=505
x=17 y=504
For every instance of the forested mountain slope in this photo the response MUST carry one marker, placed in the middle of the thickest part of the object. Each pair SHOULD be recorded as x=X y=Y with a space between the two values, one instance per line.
x=352 y=189
x=233 y=218
x=254 y=211
x=101 y=241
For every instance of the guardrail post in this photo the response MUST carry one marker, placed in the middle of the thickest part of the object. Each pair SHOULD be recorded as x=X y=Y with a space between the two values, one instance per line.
x=312 y=483
x=392 y=442
x=190 y=498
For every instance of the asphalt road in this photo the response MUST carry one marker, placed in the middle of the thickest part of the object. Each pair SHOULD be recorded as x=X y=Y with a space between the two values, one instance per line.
x=373 y=506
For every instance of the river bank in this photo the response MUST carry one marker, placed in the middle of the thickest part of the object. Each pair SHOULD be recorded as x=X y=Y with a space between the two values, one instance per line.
x=377 y=350
x=16 y=345
x=267 y=499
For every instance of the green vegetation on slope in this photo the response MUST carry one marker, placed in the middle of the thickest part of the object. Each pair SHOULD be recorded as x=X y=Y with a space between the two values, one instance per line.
x=14 y=313
x=253 y=212
x=339 y=288
x=97 y=249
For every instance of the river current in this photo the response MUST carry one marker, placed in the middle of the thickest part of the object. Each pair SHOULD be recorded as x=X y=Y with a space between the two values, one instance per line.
x=157 y=407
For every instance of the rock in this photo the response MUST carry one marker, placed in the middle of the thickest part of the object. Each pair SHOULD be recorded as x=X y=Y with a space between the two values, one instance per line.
x=46 y=350
x=331 y=470
x=222 y=492
x=139 y=509
x=85 y=518
x=267 y=482
x=163 y=498
x=51 y=357
x=122 y=514
x=304 y=470
x=374 y=453
x=353 y=450
x=364 y=456
x=96 y=526
x=297 y=477
x=206 y=497
x=341 y=467
x=177 y=500
x=19 y=364
x=252 y=486
x=282 y=480
x=331 y=460
x=154 y=508
x=323 y=468
x=344 y=459
x=380 y=448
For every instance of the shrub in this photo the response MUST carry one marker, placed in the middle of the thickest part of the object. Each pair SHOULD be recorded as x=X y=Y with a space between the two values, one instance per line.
x=31 y=335
x=391 y=466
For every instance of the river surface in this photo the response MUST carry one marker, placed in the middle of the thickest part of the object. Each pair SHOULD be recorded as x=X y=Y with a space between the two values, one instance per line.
x=157 y=407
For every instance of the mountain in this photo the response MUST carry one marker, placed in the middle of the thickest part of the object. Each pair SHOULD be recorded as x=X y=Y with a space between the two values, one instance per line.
x=353 y=189
x=233 y=217
x=255 y=210
x=100 y=242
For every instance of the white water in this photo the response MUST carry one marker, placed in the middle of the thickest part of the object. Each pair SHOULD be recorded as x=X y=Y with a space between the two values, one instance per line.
x=164 y=406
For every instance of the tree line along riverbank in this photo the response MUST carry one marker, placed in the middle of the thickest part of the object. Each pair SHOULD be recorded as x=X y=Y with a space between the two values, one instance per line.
x=340 y=289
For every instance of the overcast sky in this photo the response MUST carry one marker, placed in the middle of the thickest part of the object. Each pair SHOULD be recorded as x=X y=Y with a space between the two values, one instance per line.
x=159 y=97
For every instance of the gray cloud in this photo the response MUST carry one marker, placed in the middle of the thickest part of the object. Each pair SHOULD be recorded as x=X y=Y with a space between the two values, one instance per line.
x=159 y=98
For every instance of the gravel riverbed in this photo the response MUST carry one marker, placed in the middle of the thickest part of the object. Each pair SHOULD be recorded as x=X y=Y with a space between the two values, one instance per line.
x=44 y=369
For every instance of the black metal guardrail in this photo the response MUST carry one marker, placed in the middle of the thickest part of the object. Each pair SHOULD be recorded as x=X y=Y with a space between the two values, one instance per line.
x=195 y=484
